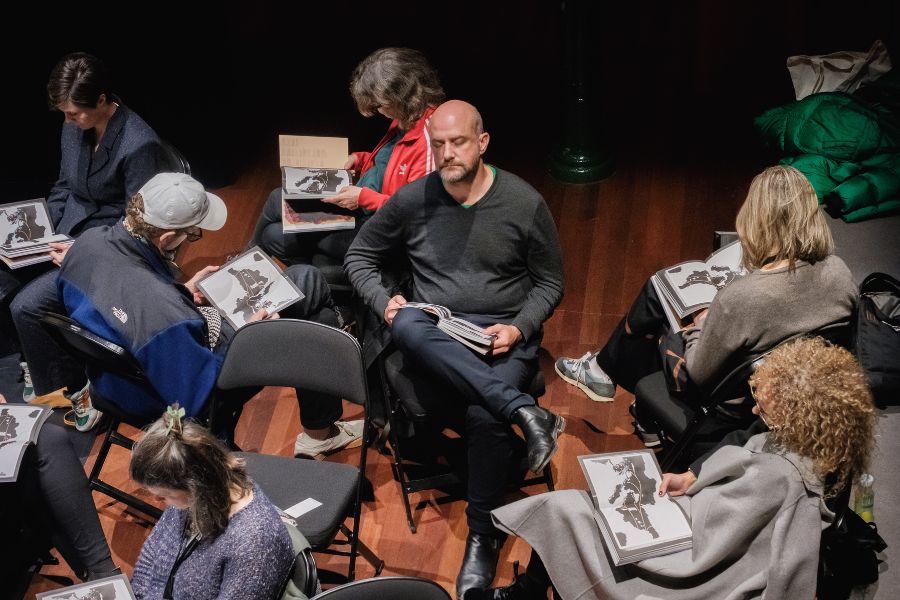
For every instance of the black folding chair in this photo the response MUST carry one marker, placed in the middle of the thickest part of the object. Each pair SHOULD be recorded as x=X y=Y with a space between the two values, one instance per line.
x=387 y=588
x=319 y=358
x=408 y=422
x=707 y=416
x=101 y=355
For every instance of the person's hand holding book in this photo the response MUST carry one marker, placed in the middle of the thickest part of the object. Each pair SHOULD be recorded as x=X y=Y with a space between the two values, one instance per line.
x=58 y=251
x=263 y=315
x=347 y=197
x=392 y=307
x=191 y=284
x=677 y=483
x=505 y=337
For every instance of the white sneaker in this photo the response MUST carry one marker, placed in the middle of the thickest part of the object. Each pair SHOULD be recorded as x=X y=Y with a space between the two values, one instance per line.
x=28 y=394
x=86 y=416
x=345 y=434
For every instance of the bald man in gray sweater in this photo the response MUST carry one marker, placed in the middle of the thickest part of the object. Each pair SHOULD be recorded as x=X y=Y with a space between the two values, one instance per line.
x=481 y=242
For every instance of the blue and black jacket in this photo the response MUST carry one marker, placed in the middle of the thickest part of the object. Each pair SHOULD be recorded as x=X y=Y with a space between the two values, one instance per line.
x=122 y=290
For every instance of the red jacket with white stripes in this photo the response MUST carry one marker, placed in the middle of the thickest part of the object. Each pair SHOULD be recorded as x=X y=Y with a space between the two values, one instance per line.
x=410 y=159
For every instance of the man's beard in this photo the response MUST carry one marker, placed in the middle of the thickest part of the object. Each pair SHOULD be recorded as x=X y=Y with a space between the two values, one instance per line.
x=460 y=174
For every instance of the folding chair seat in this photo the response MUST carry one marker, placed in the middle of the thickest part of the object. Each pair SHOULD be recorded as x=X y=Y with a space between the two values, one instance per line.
x=422 y=457
x=315 y=357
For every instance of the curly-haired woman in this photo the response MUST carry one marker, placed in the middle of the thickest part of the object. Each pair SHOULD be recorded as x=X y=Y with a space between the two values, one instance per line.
x=757 y=511
x=401 y=85
x=220 y=537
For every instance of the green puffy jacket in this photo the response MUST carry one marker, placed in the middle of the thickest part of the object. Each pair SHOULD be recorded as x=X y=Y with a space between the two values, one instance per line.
x=848 y=149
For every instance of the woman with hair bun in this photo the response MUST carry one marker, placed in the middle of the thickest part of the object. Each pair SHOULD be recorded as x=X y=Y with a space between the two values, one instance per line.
x=220 y=537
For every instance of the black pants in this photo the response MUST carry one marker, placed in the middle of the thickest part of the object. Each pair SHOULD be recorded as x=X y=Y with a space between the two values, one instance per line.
x=473 y=393
x=54 y=479
x=632 y=350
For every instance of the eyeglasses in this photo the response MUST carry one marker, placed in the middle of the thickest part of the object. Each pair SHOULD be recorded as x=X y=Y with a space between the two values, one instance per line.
x=762 y=413
x=193 y=234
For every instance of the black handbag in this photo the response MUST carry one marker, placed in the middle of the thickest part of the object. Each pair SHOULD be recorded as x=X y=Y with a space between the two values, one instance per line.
x=877 y=336
x=847 y=556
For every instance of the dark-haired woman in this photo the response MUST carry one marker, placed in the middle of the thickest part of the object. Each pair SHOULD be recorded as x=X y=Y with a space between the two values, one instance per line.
x=220 y=537
x=107 y=153
x=400 y=84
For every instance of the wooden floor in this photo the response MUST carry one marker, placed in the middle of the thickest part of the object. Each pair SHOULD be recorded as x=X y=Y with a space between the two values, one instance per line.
x=614 y=234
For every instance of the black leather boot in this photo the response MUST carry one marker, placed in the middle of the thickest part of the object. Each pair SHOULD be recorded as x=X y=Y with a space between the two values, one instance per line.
x=540 y=428
x=524 y=587
x=479 y=562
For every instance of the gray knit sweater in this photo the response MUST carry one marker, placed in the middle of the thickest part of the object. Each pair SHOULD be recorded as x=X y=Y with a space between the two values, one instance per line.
x=250 y=559
x=499 y=258
x=759 y=310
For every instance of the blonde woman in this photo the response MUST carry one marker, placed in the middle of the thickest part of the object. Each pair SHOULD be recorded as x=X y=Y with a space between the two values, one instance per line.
x=757 y=511
x=795 y=285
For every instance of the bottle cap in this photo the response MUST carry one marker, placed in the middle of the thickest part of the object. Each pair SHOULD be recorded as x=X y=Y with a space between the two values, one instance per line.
x=866 y=480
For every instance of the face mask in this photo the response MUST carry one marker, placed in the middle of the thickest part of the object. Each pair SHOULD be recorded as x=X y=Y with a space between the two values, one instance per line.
x=173 y=245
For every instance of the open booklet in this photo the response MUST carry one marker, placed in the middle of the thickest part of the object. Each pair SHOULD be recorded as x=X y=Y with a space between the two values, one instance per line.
x=26 y=232
x=465 y=332
x=635 y=521
x=19 y=427
x=690 y=286
x=247 y=284
x=116 y=587
x=311 y=169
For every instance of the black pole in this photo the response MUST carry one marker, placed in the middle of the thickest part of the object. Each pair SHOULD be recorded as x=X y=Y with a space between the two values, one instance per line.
x=581 y=155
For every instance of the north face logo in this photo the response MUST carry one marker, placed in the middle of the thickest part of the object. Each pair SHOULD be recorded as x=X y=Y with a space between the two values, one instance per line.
x=402 y=168
x=120 y=314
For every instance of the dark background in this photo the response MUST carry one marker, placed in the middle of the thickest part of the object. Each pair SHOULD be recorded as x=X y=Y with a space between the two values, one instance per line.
x=672 y=79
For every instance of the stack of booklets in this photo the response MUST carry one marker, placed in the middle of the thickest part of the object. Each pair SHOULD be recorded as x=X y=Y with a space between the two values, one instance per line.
x=465 y=332
x=634 y=520
x=310 y=171
x=690 y=286
x=26 y=233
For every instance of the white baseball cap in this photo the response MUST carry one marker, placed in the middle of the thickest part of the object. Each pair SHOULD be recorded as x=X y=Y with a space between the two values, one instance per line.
x=177 y=200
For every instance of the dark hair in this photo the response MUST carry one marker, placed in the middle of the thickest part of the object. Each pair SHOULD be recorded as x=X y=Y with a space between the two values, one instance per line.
x=400 y=77
x=79 y=78
x=188 y=457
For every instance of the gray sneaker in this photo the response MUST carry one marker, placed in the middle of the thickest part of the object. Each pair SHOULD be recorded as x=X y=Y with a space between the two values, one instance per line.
x=590 y=379
x=28 y=394
x=345 y=434
x=86 y=416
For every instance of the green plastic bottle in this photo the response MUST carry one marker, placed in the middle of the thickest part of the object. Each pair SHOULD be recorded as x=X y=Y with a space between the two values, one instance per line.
x=864 y=498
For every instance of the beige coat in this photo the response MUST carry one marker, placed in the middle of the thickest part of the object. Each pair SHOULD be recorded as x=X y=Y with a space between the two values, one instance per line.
x=756 y=517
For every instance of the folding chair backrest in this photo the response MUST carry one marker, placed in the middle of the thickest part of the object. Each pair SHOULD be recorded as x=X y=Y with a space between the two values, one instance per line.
x=97 y=352
x=394 y=588
x=295 y=353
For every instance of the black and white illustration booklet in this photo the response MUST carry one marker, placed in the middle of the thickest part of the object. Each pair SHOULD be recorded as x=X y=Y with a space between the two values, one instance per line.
x=635 y=521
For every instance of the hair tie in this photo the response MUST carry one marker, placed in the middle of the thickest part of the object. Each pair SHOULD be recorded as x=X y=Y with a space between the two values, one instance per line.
x=173 y=416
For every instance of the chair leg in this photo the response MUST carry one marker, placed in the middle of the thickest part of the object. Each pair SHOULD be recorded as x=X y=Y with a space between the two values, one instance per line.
x=400 y=473
x=686 y=437
x=111 y=437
